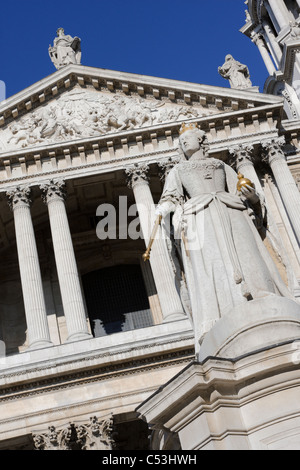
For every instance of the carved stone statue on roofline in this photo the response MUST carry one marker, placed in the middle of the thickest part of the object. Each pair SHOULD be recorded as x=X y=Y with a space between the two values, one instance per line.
x=66 y=50
x=227 y=268
x=237 y=73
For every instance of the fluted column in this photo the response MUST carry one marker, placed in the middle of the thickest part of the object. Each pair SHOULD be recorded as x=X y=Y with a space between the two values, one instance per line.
x=273 y=43
x=258 y=40
x=242 y=159
x=32 y=288
x=280 y=12
x=284 y=180
x=160 y=263
x=68 y=277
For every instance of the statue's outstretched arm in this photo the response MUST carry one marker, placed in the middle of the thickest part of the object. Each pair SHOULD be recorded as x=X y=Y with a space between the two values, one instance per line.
x=172 y=194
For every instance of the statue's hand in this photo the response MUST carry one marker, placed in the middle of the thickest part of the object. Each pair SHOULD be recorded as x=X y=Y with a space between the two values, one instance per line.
x=158 y=210
x=250 y=193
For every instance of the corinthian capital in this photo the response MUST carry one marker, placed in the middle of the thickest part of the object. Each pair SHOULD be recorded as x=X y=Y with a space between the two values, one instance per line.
x=96 y=435
x=240 y=155
x=64 y=439
x=18 y=196
x=166 y=166
x=257 y=38
x=274 y=150
x=53 y=189
x=137 y=174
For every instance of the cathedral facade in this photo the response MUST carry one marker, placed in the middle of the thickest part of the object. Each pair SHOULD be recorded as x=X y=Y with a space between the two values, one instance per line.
x=194 y=345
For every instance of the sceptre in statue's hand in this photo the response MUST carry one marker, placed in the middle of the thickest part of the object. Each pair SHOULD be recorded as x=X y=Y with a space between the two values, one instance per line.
x=146 y=255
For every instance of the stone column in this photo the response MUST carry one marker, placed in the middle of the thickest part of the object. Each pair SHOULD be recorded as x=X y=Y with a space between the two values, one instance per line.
x=243 y=161
x=160 y=262
x=68 y=277
x=257 y=39
x=273 y=43
x=32 y=288
x=285 y=182
x=281 y=12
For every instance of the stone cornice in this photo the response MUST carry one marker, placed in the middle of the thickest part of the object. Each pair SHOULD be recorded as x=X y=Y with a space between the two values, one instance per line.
x=263 y=112
x=128 y=83
x=49 y=383
x=245 y=374
x=291 y=48
x=113 y=152
x=289 y=125
x=101 y=354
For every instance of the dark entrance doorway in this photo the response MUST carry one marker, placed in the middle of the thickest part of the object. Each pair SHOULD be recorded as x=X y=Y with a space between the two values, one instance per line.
x=116 y=300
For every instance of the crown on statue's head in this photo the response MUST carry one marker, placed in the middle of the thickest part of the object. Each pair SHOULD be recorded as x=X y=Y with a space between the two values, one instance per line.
x=190 y=126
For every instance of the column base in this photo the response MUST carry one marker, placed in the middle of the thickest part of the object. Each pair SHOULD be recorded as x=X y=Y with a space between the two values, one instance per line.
x=41 y=344
x=78 y=337
x=175 y=317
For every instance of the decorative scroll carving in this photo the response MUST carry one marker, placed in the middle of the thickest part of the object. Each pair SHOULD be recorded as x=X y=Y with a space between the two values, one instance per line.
x=166 y=166
x=274 y=150
x=137 y=174
x=95 y=435
x=53 y=189
x=18 y=196
x=92 y=436
x=257 y=38
x=65 y=439
x=240 y=155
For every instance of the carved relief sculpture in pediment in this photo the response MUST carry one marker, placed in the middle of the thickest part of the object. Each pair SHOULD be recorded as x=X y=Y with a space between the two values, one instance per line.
x=86 y=113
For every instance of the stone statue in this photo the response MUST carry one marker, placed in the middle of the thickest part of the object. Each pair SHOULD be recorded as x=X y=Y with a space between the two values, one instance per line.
x=294 y=29
x=226 y=264
x=237 y=73
x=66 y=50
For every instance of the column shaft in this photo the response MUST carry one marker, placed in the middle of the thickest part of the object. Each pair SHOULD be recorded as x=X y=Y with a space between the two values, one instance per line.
x=32 y=288
x=161 y=267
x=258 y=40
x=286 y=184
x=160 y=262
x=281 y=12
x=276 y=49
x=68 y=277
x=248 y=170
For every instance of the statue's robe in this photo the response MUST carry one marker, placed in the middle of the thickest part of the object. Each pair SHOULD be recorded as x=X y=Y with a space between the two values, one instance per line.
x=225 y=261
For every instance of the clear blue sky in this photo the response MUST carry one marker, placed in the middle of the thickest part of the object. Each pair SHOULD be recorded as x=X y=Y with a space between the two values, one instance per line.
x=182 y=40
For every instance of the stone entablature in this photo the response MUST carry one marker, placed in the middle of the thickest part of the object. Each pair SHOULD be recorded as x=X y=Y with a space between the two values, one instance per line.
x=126 y=84
x=113 y=151
x=79 y=373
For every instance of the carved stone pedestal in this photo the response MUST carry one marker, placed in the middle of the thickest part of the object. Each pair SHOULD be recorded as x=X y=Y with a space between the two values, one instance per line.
x=242 y=392
x=256 y=325
x=251 y=403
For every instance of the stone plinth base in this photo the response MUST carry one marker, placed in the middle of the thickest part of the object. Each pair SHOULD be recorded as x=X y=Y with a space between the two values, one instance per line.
x=252 y=326
x=221 y=404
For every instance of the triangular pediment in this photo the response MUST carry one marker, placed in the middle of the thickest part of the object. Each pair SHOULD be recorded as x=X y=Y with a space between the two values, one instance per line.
x=80 y=102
